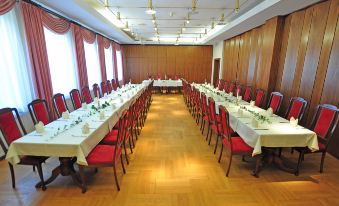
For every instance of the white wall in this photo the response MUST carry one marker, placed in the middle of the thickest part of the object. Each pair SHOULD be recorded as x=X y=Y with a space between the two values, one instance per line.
x=218 y=52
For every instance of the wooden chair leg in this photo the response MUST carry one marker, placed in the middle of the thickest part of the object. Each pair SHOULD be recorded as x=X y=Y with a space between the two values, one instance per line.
x=116 y=177
x=125 y=152
x=208 y=131
x=322 y=162
x=229 y=165
x=11 y=168
x=130 y=144
x=209 y=140
x=222 y=148
x=83 y=178
x=122 y=164
x=41 y=175
x=216 y=143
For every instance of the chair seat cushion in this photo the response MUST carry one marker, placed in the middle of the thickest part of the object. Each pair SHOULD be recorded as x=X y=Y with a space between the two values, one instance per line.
x=31 y=160
x=205 y=118
x=102 y=154
x=239 y=146
x=110 y=138
x=116 y=126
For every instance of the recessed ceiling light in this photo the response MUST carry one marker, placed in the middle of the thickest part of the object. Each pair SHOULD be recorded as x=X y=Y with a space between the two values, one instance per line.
x=150 y=9
x=184 y=29
x=155 y=28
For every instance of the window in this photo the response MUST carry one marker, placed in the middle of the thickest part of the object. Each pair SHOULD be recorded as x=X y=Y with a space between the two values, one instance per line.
x=16 y=78
x=119 y=64
x=92 y=63
x=62 y=60
x=109 y=63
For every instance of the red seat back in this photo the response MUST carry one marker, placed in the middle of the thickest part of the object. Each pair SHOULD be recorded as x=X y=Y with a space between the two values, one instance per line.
x=109 y=86
x=225 y=86
x=96 y=90
x=212 y=114
x=103 y=88
x=247 y=94
x=59 y=104
x=86 y=95
x=275 y=101
x=75 y=97
x=230 y=88
x=9 y=126
x=225 y=125
x=324 y=120
x=259 y=98
x=296 y=108
x=39 y=111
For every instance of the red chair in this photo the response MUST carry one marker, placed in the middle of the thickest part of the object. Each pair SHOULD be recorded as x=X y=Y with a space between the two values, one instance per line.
x=231 y=88
x=259 y=97
x=96 y=91
x=86 y=95
x=205 y=112
x=103 y=88
x=76 y=99
x=296 y=108
x=275 y=101
x=11 y=127
x=177 y=77
x=214 y=122
x=247 y=94
x=323 y=124
x=237 y=91
x=107 y=155
x=59 y=104
x=117 y=82
x=234 y=144
x=39 y=111
x=169 y=77
x=220 y=84
x=149 y=77
x=109 y=86
x=225 y=86
x=159 y=77
x=114 y=85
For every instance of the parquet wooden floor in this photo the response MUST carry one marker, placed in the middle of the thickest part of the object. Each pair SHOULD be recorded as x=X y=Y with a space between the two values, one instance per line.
x=173 y=165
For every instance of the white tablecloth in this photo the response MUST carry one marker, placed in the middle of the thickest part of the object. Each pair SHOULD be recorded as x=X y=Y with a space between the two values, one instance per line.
x=278 y=133
x=165 y=83
x=71 y=142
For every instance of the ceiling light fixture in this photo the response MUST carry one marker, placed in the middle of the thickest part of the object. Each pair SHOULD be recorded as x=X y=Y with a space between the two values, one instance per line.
x=188 y=18
x=194 y=5
x=155 y=28
x=237 y=6
x=118 y=15
x=184 y=29
x=150 y=10
x=153 y=18
x=106 y=3
x=212 y=26
x=126 y=27
x=222 y=17
x=205 y=31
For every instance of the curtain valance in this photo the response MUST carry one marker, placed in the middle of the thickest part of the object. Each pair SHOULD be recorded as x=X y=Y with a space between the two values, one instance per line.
x=6 y=6
x=54 y=23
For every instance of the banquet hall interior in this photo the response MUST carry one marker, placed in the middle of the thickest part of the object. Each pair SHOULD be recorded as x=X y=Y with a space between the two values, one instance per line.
x=169 y=102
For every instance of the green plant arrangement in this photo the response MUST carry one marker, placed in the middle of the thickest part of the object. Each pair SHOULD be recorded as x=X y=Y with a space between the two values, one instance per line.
x=260 y=117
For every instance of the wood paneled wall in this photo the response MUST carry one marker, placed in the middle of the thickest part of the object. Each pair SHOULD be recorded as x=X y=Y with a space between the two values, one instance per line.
x=191 y=62
x=297 y=55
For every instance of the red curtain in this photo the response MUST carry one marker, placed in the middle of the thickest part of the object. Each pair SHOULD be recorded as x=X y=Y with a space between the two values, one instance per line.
x=80 y=55
x=115 y=64
x=55 y=24
x=123 y=59
x=102 y=44
x=38 y=51
x=6 y=6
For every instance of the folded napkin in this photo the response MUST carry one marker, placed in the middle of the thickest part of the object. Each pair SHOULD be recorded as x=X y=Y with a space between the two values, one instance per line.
x=65 y=115
x=294 y=122
x=84 y=105
x=230 y=93
x=239 y=98
x=85 y=128
x=269 y=112
x=96 y=100
x=102 y=115
x=40 y=127
x=252 y=103
x=240 y=112
x=254 y=122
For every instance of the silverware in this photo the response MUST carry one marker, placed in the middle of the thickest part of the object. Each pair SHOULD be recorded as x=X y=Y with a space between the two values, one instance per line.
x=260 y=129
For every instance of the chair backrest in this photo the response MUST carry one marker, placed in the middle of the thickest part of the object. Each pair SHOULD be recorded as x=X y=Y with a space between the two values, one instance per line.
x=86 y=95
x=158 y=77
x=96 y=90
x=59 y=104
x=117 y=82
x=225 y=124
x=325 y=121
x=121 y=132
x=39 y=111
x=220 y=84
x=238 y=90
x=247 y=94
x=296 y=108
x=204 y=104
x=109 y=86
x=230 y=88
x=169 y=76
x=103 y=88
x=114 y=85
x=259 y=97
x=9 y=127
x=225 y=86
x=275 y=101
x=75 y=97
x=212 y=113
x=177 y=77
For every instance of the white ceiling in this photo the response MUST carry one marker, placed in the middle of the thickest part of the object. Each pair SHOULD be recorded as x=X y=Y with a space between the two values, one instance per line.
x=96 y=16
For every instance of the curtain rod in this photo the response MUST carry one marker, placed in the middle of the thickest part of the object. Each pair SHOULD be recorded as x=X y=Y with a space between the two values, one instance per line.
x=64 y=17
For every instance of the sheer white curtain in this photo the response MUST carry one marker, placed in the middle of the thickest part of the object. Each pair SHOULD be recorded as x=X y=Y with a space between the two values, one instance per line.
x=62 y=61
x=92 y=63
x=119 y=64
x=109 y=63
x=15 y=72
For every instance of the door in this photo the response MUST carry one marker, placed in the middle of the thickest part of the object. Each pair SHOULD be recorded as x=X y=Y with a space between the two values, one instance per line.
x=216 y=71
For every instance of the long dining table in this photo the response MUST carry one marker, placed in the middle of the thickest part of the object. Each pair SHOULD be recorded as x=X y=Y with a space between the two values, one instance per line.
x=275 y=132
x=64 y=138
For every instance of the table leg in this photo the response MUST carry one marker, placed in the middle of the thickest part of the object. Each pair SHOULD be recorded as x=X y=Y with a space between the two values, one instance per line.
x=66 y=168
